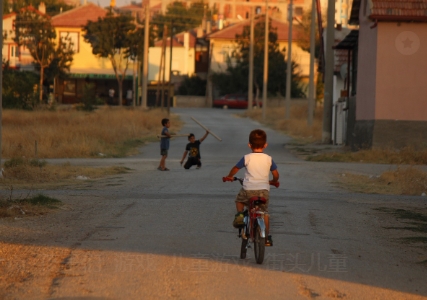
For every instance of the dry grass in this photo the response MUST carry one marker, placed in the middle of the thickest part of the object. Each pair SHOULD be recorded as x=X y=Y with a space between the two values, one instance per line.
x=379 y=156
x=24 y=173
x=34 y=174
x=403 y=181
x=296 y=126
x=113 y=132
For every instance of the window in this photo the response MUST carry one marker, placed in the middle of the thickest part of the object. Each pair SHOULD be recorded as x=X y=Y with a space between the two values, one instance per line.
x=70 y=87
x=13 y=52
x=298 y=11
x=71 y=37
x=226 y=52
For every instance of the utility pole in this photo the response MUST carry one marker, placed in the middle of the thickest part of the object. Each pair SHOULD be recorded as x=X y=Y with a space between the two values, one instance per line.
x=1 y=86
x=289 y=65
x=161 y=69
x=265 y=81
x=311 y=95
x=329 y=75
x=145 y=63
x=251 y=61
x=170 y=68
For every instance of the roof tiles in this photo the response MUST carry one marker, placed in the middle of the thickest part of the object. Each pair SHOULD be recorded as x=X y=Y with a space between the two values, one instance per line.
x=231 y=31
x=392 y=10
x=79 y=16
x=407 y=8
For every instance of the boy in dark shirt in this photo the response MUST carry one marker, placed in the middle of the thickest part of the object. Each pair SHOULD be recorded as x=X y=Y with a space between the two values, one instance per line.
x=193 y=150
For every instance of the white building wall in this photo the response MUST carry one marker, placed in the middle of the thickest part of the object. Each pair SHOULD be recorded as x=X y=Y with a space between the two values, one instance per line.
x=182 y=61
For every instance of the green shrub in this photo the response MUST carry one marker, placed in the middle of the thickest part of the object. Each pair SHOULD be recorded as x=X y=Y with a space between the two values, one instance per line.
x=194 y=86
x=38 y=163
x=19 y=161
x=89 y=98
x=14 y=162
x=19 y=89
x=41 y=199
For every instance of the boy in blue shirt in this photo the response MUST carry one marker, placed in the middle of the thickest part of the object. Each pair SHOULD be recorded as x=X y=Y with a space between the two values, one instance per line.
x=164 y=144
x=256 y=181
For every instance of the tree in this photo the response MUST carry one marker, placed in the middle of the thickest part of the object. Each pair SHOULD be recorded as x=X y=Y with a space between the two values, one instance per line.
x=18 y=88
x=235 y=78
x=53 y=7
x=110 y=37
x=182 y=17
x=61 y=61
x=193 y=85
x=304 y=27
x=34 y=31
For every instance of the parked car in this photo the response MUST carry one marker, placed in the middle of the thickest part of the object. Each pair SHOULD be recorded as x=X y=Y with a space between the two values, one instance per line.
x=233 y=101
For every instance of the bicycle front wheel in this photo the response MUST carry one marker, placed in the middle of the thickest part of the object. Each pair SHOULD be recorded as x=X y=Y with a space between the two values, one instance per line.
x=259 y=245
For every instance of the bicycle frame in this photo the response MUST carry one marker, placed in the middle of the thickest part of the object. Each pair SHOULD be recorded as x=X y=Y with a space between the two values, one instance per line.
x=254 y=214
x=254 y=230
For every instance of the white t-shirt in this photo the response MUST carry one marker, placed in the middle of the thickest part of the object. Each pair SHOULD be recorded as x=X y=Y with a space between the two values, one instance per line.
x=258 y=167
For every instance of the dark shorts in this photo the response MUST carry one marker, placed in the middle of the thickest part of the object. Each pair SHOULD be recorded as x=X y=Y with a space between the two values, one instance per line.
x=243 y=197
x=164 y=152
x=191 y=161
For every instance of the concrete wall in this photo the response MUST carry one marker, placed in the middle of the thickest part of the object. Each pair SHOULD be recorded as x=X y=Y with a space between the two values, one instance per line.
x=401 y=92
x=366 y=68
x=182 y=60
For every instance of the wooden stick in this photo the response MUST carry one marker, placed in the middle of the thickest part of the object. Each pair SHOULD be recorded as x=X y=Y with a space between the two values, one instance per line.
x=172 y=135
x=217 y=137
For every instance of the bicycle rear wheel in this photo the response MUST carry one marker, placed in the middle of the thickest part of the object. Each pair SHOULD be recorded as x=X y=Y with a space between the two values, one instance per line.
x=259 y=245
x=244 y=243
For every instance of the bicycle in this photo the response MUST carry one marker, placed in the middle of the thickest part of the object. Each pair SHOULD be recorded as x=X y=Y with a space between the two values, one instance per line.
x=253 y=230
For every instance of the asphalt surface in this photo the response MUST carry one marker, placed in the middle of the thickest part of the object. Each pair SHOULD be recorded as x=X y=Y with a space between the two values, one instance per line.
x=159 y=235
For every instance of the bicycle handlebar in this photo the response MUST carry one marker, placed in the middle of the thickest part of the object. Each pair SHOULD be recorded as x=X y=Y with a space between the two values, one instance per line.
x=274 y=183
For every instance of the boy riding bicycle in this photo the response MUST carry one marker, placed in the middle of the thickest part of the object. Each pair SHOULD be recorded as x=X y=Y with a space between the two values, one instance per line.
x=256 y=181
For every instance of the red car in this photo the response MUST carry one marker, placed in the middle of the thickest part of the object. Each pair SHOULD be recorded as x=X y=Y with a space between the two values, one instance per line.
x=233 y=101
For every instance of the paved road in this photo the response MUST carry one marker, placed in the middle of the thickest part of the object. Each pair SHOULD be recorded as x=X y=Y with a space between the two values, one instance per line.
x=160 y=235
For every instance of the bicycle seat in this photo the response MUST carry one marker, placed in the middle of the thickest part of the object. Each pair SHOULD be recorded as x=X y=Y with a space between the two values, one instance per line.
x=256 y=200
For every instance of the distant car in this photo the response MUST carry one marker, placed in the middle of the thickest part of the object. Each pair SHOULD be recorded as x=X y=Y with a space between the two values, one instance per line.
x=233 y=101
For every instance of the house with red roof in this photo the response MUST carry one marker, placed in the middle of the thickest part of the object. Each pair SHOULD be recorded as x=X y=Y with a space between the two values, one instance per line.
x=85 y=66
x=391 y=88
x=223 y=43
x=17 y=57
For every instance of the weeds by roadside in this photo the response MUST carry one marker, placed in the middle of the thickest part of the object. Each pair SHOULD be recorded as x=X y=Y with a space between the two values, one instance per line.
x=378 y=156
x=22 y=172
x=28 y=206
x=296 y=126
x=106 y=132
x=403 y=181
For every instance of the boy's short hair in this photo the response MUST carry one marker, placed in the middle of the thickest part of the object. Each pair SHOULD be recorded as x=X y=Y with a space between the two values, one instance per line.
x=190 y=136
x=257 y=138
x=165 y=121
